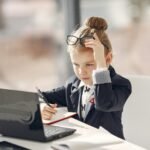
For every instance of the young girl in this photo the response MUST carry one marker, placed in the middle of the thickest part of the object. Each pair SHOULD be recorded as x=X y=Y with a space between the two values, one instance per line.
x=96 y=92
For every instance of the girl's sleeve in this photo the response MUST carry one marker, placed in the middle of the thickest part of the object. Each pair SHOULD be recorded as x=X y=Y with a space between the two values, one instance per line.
x=56 y=96
x=110 y=94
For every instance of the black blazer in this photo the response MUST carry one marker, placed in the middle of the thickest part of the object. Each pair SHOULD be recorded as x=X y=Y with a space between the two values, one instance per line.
x=110 y=99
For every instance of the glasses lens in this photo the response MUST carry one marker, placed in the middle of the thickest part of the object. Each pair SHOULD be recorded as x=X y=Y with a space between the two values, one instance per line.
x=71 y=40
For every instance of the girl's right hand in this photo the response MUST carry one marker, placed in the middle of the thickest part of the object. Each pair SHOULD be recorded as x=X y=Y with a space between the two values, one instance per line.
x=48 y=112
x=98 y=51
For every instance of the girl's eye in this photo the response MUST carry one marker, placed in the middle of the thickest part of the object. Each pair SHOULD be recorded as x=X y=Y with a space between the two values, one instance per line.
x=76 y=65
x=89 y=65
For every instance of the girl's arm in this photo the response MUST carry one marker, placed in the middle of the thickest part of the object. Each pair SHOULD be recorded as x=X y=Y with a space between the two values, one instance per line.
x=110 y=94
x=56 y=96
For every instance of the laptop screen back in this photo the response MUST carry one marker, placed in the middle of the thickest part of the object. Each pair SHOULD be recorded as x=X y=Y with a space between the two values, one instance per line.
x=20 y=115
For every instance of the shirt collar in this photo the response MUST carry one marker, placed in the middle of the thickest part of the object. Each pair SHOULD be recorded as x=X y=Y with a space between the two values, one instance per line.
x=83 y=84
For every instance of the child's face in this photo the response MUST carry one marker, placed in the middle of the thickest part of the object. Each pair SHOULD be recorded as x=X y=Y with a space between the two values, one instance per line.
x=83 y=64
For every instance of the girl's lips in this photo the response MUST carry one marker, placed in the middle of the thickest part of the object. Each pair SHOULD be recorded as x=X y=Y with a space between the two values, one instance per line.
x=84 y=78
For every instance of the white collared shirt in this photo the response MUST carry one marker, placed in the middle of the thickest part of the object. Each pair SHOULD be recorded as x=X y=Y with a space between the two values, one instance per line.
x=85 y=100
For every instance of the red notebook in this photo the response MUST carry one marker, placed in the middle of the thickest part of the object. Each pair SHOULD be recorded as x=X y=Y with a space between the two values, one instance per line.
x=60 y=115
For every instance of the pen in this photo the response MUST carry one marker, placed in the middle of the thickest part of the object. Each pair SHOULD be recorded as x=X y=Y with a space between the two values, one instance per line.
x=42 y=96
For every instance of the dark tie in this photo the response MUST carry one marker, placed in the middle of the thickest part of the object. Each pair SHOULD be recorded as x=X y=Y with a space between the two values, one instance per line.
x=87 y=89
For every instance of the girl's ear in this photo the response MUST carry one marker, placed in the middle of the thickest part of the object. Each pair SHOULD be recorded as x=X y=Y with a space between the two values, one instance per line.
x=109 y=58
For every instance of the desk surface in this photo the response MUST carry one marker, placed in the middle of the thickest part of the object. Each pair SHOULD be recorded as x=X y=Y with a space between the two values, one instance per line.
x=85 y=135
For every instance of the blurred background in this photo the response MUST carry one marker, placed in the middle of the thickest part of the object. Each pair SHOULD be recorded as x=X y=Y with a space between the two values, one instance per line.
x=33 y=38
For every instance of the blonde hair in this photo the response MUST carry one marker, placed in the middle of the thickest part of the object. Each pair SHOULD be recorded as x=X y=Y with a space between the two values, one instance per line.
x=93 y=24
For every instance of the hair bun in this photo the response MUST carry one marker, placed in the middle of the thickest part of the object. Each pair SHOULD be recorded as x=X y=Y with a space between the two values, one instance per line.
x=96 y=23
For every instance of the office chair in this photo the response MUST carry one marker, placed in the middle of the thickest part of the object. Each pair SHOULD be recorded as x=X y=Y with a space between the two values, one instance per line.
x=136 y=114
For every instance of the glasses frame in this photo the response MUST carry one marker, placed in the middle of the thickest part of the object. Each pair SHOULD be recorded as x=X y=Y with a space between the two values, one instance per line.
x=80 y=39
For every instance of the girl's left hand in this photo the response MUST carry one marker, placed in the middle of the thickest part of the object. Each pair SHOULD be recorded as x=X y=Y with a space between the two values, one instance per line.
x=98 y=50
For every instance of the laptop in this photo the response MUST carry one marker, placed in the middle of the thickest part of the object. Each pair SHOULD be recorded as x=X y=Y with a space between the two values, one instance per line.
x=20 y=117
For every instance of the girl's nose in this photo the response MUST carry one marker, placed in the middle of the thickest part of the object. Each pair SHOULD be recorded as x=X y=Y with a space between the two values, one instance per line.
x=81 y=70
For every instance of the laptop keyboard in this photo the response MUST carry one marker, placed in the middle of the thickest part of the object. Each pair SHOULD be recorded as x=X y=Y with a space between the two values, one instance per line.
x=50 y=130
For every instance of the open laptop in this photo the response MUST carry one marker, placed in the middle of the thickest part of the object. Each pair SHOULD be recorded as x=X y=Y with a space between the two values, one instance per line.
x=20 y=117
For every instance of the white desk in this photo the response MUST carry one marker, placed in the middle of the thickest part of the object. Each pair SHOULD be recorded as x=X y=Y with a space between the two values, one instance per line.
x=98 y=139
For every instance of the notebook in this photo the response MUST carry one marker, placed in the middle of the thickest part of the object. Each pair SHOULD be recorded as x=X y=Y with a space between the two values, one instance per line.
x=61 y=114
x=20 y=117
